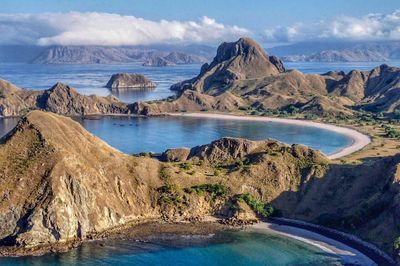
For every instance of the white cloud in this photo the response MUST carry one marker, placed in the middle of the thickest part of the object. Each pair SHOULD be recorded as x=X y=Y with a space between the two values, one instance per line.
x=75 y=28
x=369 y=27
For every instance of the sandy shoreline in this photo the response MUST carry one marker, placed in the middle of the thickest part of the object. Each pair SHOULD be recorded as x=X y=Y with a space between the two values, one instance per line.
x=345 y=253
x=359 y=140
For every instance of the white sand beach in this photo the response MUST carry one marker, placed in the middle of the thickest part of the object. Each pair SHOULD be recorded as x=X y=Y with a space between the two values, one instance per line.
x=347 y=254
x=359 y=140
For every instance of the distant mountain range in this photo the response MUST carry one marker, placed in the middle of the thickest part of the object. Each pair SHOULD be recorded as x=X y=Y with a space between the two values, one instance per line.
x=338 y=51
x=166 y=55
x=170 y=54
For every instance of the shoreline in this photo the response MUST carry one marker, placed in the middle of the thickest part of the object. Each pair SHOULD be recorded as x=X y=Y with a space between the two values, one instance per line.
x=359 y=140
x=328 y=245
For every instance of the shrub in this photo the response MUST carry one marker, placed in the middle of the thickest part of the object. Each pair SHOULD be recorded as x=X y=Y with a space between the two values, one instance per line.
x=263 y=209
x=215 y=190
x=169 y=194
x=396 y=243
x=163 y=173
x=186 y=166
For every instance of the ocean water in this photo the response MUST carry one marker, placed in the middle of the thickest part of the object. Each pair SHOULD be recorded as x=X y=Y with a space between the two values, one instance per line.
x=91 y=79
x=156 y=134
x=229 y=248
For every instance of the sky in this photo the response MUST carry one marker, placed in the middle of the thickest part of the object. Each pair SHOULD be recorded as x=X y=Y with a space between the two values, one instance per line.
x=132 y=22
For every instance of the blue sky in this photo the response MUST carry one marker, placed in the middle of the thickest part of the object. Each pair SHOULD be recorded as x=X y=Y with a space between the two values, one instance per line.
x=252 y=14
x=131 y=22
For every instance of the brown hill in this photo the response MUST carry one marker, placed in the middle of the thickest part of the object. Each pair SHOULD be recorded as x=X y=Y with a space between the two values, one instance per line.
x=60 y=98
x=58 y=182
x=242 y=71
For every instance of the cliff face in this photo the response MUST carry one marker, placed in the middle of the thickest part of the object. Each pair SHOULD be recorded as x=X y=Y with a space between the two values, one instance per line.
x=123 y=81
x=244 y=75
x=60 y=99
x=59 y=183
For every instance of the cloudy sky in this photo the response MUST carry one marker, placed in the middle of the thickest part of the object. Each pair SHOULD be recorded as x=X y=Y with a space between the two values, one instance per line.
x=132 y=22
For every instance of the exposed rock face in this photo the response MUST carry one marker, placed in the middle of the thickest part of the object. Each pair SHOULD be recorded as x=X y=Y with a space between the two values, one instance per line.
x=60 y=99
x=124 y=81
x=54 y=178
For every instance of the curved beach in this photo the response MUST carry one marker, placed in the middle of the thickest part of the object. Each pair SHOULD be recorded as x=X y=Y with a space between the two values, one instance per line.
x=346 y=253
x=359 y=140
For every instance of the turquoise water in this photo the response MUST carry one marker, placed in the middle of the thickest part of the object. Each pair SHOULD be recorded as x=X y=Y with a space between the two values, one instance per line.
x=229 y=248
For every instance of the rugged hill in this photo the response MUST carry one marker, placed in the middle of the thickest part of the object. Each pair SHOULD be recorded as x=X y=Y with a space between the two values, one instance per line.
x=58 y=182
x=60 y=99
x=242 y=76
x=109 y=55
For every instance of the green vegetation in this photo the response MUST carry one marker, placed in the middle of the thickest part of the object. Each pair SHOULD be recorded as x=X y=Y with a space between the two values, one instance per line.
x=186 y=166
x=391 y=132
x=169 y=195
x=263 y=209
x=396 y=244
x=163 y=173
x=217 y=172
x=215 y=190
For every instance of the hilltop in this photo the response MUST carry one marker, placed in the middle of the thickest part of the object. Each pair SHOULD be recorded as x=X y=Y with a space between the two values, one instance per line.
x=242 y=77
x=60 y=98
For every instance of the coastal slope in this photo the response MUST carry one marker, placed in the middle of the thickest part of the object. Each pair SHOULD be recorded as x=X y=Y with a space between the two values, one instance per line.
x=61 y=183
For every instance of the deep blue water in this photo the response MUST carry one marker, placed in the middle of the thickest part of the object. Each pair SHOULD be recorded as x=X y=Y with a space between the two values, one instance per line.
x=156 y=134
x=91 y=79
x=239 y=248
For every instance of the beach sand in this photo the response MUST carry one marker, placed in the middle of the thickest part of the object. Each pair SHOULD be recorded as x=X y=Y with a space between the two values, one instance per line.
x=359 y=140
x=347 y=254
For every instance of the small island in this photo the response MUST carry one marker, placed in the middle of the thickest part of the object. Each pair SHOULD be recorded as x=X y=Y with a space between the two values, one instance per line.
x=124 y=81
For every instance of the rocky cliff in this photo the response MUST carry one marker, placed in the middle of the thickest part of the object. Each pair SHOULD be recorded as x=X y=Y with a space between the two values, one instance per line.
x=124 y=81
x=61 y=99
x=60 y=183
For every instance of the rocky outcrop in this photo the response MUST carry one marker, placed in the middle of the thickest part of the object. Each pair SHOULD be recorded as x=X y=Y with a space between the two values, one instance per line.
x=125 y=81
x=240 y=60
x=60 y=98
